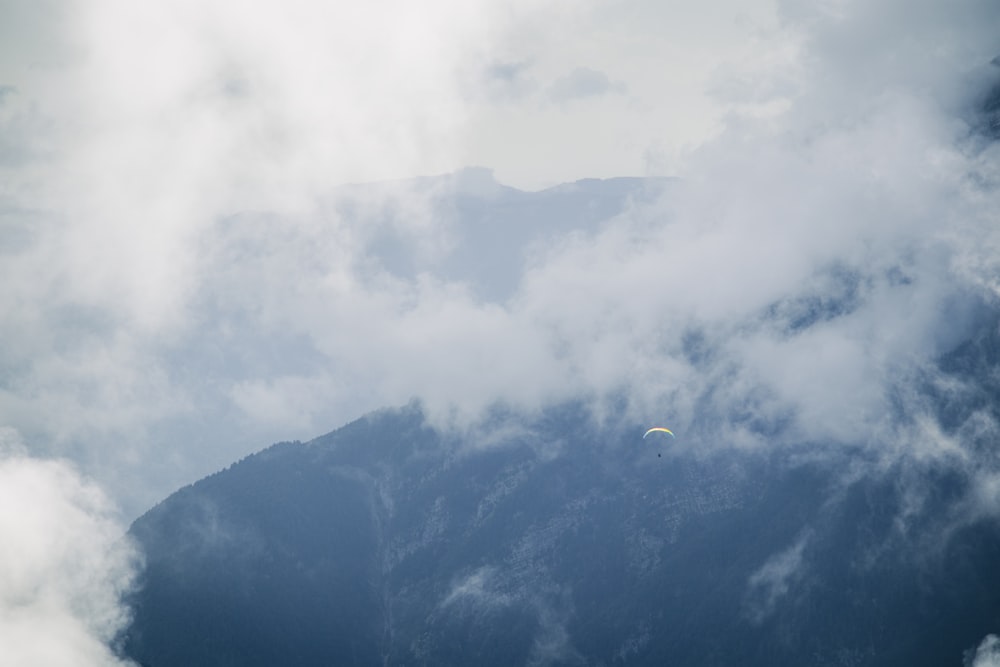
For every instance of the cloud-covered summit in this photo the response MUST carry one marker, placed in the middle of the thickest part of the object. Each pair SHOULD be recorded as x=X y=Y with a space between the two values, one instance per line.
x=184 y=281
x=187 y=277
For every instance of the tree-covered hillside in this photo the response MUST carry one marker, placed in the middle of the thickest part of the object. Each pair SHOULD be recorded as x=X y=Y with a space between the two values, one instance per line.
x=558 y=540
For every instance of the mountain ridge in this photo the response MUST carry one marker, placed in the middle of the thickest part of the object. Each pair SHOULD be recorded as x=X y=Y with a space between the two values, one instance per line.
x=390 y=542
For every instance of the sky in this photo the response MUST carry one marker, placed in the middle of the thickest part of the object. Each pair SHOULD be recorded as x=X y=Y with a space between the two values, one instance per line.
x=182 y=285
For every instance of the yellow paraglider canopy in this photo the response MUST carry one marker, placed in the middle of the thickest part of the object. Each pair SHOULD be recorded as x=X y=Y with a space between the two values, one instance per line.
x=659 y=429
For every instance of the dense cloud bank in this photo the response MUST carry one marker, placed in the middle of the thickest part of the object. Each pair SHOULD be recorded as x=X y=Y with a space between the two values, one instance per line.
x=186 y=277
x=183 y=281
x=64 y=566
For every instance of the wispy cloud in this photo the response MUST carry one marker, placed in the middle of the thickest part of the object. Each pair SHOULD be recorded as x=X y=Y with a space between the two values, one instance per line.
x=183 y=282
x=774 y=580
x=180 y=272
x=581 y=83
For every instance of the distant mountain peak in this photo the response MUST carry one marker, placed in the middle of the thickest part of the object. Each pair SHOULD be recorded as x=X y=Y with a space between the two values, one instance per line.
x=476 y=182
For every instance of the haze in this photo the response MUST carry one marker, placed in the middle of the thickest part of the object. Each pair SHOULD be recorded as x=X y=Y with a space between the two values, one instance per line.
x=183 y=283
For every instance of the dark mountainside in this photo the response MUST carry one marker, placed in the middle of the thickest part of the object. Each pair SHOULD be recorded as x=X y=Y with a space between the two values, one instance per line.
x=553 y=540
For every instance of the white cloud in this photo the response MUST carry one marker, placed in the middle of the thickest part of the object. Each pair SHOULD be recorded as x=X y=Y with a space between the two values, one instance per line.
x=179 y=273
x=181 y=283
x=64 y=565
x=987 y=654
x=479 y=587
x=581 y=83
x=487 y=589
x=775 y=579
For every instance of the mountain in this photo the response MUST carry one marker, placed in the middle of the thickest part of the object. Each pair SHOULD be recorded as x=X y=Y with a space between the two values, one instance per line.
x=493 y=228
x=558 y=535
x=557 y=539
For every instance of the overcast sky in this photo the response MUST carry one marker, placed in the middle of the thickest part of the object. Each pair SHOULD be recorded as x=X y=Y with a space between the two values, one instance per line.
x=180 y=286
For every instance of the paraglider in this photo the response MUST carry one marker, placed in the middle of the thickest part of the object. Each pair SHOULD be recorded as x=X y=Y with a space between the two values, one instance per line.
x=658 y=429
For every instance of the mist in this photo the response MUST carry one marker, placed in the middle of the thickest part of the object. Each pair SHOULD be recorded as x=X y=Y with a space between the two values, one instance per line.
x=189 y=273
